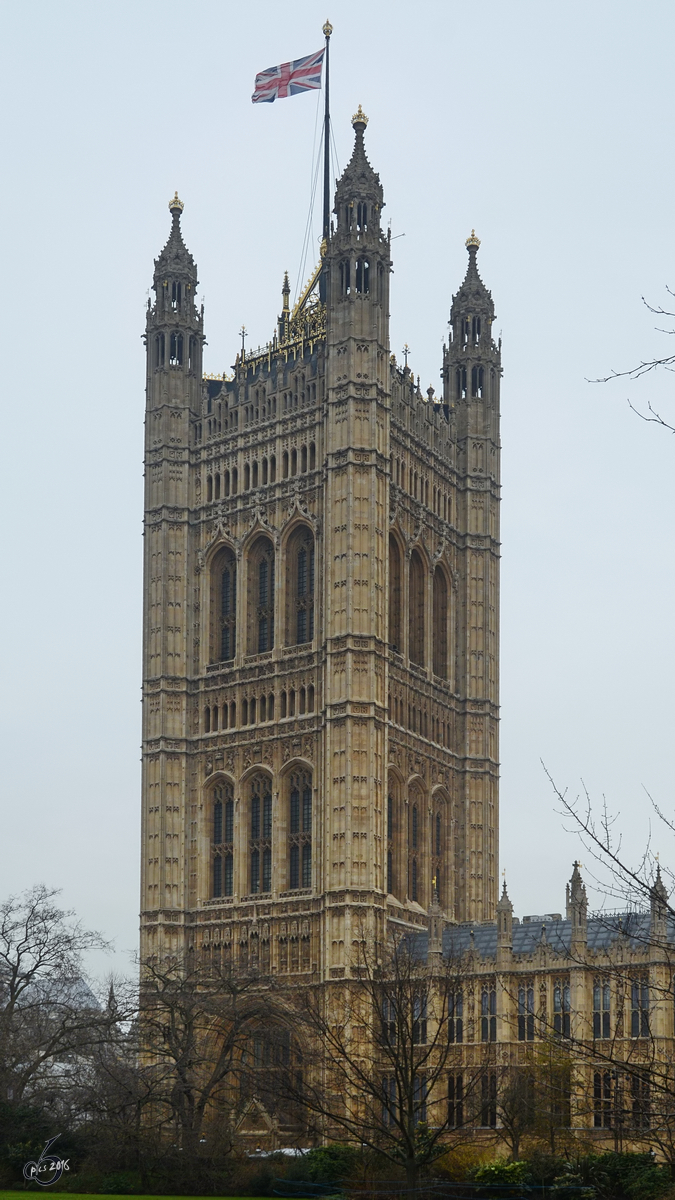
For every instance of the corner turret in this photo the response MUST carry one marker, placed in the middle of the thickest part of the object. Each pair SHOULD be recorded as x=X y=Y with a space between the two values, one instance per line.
x=174 y=326
x=577 y=908
x=504 y=913
x=658 y=928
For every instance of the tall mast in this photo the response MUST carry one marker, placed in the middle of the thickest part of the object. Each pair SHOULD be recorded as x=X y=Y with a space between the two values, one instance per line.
x=327 y=29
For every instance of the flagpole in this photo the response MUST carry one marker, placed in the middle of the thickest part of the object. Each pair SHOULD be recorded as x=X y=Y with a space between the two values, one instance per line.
x=327 y=29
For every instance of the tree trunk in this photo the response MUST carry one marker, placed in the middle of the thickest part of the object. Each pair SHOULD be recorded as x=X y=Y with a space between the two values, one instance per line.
x=411 y=1174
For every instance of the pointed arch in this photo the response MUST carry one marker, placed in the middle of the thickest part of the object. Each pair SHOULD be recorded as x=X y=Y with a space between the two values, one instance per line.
x=440 y=628
x=258 y=790
x=395 y=600
x=220 y=808
x=223 y=606
x=416 y=607
x=261 y=595
x=300 y=576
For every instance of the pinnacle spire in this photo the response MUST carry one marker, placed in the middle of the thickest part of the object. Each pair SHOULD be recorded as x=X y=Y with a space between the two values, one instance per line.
x=359 y=182
x=175 y=259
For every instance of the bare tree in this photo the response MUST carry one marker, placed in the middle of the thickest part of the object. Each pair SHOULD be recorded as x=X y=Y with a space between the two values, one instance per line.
x=49 y=1017
x=378 y=1051
x=516 y=1107
x=193 y=1029
x=645 y=366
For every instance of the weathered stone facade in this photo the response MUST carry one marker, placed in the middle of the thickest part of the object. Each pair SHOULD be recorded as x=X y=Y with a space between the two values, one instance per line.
x=320 y=692
x=320 y=705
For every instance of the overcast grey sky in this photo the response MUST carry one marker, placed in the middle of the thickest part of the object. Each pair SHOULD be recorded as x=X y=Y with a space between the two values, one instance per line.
x=548 y=128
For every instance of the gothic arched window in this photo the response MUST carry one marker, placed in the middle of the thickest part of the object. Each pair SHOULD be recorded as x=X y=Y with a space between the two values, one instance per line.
x=261 y=597
x=223 y=607
x=416 y=610
x=300 y=588
x=176 y=350
x=362 y=275
x=222 y=840
x=159 y=350
x=300 y=830
x=260 y=839
x=440 y=624
x=394 y=595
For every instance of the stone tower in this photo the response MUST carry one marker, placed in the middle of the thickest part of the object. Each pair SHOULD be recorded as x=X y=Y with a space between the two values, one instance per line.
x=321 y=617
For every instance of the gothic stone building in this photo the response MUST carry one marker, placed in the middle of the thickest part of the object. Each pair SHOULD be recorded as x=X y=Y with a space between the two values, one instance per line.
x=321 y=637
x=321 y=614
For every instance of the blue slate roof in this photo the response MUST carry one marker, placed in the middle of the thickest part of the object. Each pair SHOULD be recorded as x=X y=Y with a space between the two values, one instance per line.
x=603 y=931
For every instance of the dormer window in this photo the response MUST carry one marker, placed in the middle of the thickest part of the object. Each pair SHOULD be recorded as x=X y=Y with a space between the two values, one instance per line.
x=176 y=296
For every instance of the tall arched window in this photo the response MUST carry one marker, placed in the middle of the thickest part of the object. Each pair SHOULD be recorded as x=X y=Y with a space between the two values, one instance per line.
x=390 y=844
x=300 y=588
x=260 y=840
x=222 y=840
x=223 y=607
x=437 y=847
x=395 y=638
x=440 y=624
x=176 y=350
x=416 y=844
x=416 y=610
x=300 y=830
x=261 y=597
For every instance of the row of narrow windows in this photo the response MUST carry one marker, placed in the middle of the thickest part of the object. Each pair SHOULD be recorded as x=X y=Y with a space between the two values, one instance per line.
x=526 y=1015
x=470 y=330
x=260 y=408
x=418 y=487
x=296 y=872
x=355 y=216
x=176 y=354
x=359 y=272
x=257 y=710
x=612 y=1108
x=418 y=582
x=417 y=720
x=303 y=393
x=260 y=602
x=412 y=848
x=472 y=382
x=259 y=474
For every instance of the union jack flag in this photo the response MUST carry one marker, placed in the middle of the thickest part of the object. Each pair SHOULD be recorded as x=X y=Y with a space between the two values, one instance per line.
x=301 y=75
